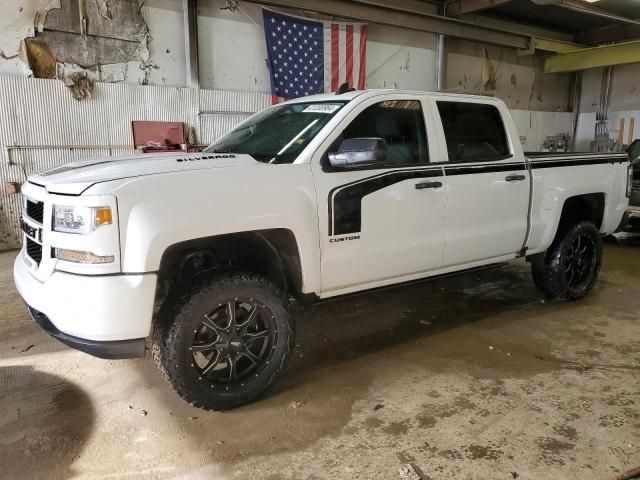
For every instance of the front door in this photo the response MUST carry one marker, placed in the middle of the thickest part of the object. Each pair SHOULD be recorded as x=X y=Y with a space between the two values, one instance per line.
x=383 y=223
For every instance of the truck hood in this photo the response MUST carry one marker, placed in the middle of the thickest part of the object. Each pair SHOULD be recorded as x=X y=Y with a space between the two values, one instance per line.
x=75 y=178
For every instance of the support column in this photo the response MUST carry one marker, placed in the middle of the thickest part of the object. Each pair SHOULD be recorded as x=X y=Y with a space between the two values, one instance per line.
x=441 y=63
x=190 y=10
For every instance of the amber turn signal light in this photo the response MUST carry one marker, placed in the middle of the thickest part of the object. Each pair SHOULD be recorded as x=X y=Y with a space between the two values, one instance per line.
x=103 y=216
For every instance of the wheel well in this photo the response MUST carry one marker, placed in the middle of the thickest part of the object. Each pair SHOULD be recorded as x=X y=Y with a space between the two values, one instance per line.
x=271 y=253
x=589 y=207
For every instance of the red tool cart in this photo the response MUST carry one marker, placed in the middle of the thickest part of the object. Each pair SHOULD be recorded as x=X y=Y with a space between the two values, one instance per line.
x=157 y=137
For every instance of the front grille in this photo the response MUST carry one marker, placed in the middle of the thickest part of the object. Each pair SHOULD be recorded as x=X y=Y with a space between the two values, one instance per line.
x=35 y=210
x=34 y=250
x=32 y=232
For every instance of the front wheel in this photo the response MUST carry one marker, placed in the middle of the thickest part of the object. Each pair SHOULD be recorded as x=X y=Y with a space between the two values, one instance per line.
x=225 y=341
x=570 y=267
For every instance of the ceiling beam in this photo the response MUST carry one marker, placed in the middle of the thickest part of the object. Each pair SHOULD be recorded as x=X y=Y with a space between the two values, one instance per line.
x=594 y=57
x=418 y=20
x=462 y=7
x=582 y=8
x=610 y=33
x=421 y=7
x=410 y=6
x=549 y=45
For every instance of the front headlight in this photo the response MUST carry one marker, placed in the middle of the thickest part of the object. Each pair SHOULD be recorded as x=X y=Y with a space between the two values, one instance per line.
x=81 y=220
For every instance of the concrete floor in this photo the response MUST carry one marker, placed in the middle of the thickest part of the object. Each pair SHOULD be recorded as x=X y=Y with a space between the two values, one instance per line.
x=471 y=377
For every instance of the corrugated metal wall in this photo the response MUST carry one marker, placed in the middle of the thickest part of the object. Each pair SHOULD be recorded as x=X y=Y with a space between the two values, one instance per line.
x=42 y=126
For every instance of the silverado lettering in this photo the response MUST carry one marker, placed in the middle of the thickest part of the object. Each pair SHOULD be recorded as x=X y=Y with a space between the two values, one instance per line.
x=207 y=157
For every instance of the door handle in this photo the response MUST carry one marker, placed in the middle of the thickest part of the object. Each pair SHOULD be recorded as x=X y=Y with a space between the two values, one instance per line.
x=423 y=185
x=514 y=178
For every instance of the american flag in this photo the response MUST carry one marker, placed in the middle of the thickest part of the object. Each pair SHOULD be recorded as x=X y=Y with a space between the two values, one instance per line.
x=308 y=57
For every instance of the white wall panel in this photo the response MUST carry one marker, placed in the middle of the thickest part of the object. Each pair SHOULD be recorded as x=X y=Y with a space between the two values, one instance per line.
x=535 y=127
x=166 y=45
x=399 y=58
x=586 y=131
x=518 y=80
x=232 y=50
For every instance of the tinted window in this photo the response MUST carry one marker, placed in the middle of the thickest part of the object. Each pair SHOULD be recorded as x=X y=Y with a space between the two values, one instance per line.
x=473 y=131
x=400 y=123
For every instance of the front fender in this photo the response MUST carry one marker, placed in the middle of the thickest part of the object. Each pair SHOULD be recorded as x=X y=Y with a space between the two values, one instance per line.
x=159 y=211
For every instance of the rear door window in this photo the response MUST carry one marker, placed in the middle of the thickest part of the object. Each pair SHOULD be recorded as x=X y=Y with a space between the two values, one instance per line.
x=474 y=132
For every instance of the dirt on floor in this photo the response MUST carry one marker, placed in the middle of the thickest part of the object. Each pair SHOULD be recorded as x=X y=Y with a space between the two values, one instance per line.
x=466 y=377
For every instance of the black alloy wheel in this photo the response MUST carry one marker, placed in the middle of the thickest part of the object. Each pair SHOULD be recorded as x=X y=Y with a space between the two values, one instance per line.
x=570 y=266
x=224 y=341
x=579 y=259
x=234 y=343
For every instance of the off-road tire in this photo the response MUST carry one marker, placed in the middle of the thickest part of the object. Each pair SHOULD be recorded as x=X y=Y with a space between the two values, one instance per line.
x=180 y=318
x=549 y=269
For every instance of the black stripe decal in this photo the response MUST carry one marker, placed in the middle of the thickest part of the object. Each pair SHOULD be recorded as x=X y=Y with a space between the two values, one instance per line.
x=552 y=163
x=345 y=201
x=472 y=169
x=69 y=168
x=346 y=214
x=611 y=157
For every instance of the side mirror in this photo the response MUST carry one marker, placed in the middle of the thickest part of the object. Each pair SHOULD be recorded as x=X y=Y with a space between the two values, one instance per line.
x=359 y=152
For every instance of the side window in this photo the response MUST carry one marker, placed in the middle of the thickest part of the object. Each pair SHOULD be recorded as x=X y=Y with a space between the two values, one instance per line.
x=400 y=123
x=474 y=132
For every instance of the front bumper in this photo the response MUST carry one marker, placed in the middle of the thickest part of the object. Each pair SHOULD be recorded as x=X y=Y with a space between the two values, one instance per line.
x=84 y=309
x=117 y=349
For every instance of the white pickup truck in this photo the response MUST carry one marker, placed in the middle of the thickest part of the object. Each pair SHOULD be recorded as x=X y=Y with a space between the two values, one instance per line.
x=199 y=255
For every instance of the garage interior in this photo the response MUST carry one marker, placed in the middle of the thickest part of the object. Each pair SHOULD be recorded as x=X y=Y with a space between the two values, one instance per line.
x=473 y=376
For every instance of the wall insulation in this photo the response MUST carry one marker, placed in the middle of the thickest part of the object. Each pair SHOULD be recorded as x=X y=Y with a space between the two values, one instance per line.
x=42 y=126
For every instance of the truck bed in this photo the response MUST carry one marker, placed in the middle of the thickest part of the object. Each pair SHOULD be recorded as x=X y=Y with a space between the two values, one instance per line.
x=548 y=159
x=580 y=158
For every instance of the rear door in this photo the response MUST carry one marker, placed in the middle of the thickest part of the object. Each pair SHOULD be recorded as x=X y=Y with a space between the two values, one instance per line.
x=487 y=183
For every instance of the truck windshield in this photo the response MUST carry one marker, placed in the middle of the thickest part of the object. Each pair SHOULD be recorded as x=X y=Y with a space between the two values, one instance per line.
x=279 y=134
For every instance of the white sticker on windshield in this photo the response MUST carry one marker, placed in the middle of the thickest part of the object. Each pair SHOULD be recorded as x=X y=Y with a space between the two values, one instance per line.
x=322 y=108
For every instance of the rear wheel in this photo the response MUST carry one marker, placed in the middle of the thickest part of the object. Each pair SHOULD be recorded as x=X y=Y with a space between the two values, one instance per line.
x=225 y=341
x=570 y=267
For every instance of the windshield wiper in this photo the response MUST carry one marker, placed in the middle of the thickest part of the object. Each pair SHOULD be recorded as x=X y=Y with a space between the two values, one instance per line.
x=262 y=157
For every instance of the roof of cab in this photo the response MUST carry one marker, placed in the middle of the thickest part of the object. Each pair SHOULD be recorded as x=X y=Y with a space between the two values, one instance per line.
x=347 y=96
